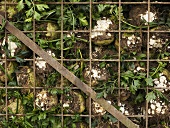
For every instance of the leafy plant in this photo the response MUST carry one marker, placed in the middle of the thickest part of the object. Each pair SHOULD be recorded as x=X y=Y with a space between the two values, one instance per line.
x=133 y=81
x=35 y=11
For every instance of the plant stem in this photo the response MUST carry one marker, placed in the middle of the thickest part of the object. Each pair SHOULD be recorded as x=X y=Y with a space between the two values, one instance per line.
x=156 y=70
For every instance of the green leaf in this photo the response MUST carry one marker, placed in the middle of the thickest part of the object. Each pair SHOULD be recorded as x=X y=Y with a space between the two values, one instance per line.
x=141 y=56
x=52 y=120
x=134 y=86
x=42 y=116
x=34 y=118
x=42 y=7
x=102 y=64
x=136 y=83
x=3 y=24
x=101 y=7
x=159 y=94
x=28 y=3
x=149 y=81
x=28 y=124
x=20 y=5
x=28 y=19
x=124 y=84
x=12 y=83
x=82 y=20
x=19 y=60
x=30 y=12
x=110 y=117
x=37 y=16
x=139 y=98
x=128 y=74
x=150 y=96
x=99 y=95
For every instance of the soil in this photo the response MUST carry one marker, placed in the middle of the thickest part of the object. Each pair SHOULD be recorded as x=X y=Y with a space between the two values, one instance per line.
x=134 y=14
x=25 y=78
x=49 y=101
x=136 y=47
x=102 y=74
x=42 y=75
x=164 y=41
x=81 y=125
x=76 y=102
x=104 y=52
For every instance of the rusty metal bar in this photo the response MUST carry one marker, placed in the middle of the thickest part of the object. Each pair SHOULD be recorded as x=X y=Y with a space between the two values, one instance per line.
x=85 y=3
x=62 y=53
x=67 y=74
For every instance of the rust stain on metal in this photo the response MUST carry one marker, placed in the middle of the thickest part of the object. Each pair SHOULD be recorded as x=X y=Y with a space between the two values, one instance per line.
x=67 y=74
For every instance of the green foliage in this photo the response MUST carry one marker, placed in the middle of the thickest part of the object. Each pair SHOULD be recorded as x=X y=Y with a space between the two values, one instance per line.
x=133 y=81
x=20 y=5
x=150 y=96
x=156 y=94
x=82 y=19
x=140 y=98
x=2 y=25
x=35 y=11
x=110 y=118
x=156 y=70
x=105 y=89
x=149 y=81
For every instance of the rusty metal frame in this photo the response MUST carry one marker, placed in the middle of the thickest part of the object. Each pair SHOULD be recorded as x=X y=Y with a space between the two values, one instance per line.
x=71 y=77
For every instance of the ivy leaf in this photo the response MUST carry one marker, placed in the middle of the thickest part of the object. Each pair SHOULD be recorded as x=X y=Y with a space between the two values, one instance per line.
x=37 y=16
x=20 y=5
x=150 y=96
x=149 y=81
x=42 y=7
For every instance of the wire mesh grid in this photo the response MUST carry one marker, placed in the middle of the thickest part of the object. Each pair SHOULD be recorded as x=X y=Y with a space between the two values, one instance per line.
x=119 y=48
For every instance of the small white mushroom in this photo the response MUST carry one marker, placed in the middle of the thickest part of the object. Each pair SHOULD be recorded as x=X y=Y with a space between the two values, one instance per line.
x=148 y=16
x=156 y=82
x=158 y=110
x=149 y=111
x=66 y=105
x=153 y=106
x=126 y=113
x=101 y=27
x=153 y=112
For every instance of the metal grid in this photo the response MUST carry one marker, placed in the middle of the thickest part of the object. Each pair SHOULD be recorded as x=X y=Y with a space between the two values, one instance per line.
x=66 y=60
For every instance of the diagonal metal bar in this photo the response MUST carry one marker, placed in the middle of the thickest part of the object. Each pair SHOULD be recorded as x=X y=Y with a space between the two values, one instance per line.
x=67 y=74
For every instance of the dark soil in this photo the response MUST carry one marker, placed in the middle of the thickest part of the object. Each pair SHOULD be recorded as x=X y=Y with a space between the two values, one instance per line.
x=134 y=14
